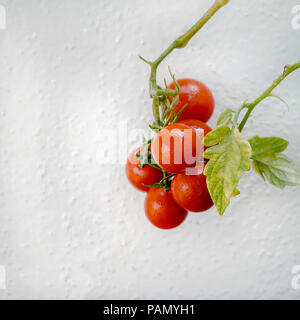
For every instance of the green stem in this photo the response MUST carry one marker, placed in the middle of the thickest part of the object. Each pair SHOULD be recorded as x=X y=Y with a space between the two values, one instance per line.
x=165 y=180
x=180 y=42
x=166 y=92
x=250 y=106
x=237 y=114
x=166 y=176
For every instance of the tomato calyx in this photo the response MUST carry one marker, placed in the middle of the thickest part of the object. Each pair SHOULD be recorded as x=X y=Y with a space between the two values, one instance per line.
x=145 y=158
x=138 y=176
x=165 y=182
x=150 y=162
x=166 y=114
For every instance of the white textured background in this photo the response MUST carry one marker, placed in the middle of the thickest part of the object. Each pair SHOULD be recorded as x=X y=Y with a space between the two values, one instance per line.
x=72 y=228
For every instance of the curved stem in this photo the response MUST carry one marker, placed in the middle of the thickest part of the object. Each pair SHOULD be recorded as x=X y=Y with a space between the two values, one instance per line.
x=180 y=42
x=250 y=106
x=237 y=114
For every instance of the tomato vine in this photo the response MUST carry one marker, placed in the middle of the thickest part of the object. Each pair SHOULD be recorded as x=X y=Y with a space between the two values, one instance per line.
x=228 y=154
x=157 y=93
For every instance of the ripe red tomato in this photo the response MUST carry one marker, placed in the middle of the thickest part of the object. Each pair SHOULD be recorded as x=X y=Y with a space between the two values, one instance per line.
x=196 y=125
x=138 y=176
x=191 y=192
x=161 y=209
x=176 y=147
x=199 y=100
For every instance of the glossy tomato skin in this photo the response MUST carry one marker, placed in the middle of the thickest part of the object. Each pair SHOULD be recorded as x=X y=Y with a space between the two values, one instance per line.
x=199 y=100
x=175 y=147
x=138 y=176
x=196 y=125
x=162 y=210
x=191 y=193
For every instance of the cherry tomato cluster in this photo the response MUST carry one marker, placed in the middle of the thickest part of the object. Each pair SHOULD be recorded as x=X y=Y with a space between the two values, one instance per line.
x=167 y=208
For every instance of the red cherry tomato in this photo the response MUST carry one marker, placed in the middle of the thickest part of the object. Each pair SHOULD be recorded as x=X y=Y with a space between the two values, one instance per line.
x=161 y=209
x=191 y=192
x=196 y=125
x=138 y=176
x=176 y=147
x=199 y=100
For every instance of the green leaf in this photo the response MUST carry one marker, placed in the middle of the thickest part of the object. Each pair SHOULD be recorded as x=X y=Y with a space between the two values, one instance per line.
x=216 y=136
x=279 y=170
x=262 y=147
x=257 y=169
x=225 y=117
x=271 y=164
x=236 y=192
x=228 y=157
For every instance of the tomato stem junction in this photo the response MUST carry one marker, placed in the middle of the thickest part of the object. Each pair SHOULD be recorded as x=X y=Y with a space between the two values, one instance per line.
x=180 y=42
x=288 y=69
